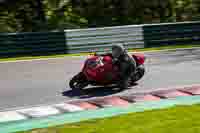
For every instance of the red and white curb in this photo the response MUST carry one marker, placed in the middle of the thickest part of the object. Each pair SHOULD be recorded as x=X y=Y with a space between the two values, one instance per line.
x=97 y=103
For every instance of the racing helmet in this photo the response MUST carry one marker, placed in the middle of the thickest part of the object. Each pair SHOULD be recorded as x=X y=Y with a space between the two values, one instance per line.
x=117 y=50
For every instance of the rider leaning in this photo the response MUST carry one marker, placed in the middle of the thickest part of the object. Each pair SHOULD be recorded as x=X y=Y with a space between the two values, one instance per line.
x=125 y=62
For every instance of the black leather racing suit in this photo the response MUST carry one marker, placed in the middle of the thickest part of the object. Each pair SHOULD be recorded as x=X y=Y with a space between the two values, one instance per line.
x=127 y=66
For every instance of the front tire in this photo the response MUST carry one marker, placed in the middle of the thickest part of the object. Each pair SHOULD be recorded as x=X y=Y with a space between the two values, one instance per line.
x=78 y=82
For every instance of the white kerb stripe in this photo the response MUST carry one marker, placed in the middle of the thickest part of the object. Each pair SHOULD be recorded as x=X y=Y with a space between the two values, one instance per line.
x=68 y=107
x=11 y=116
x=39 y=111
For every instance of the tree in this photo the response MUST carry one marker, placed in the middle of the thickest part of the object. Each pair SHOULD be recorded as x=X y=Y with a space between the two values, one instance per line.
x=23 y=15
x=41 y=15
x=121 y=12
x=60 y=16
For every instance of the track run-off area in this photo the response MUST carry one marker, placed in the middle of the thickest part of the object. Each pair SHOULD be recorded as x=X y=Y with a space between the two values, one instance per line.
x=37 y=82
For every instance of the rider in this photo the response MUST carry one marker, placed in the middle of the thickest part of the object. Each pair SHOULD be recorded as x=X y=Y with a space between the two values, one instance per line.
x=125 y=62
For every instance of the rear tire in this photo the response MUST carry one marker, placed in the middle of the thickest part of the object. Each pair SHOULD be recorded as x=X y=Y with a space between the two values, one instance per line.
x=78 y=82
x=140 y=71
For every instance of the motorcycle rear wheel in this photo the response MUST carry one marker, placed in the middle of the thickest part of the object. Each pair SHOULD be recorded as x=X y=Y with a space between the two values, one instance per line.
x=78 y=82
x=139 y=74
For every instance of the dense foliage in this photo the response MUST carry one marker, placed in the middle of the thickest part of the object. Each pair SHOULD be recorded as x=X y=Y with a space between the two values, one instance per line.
x=42 y=15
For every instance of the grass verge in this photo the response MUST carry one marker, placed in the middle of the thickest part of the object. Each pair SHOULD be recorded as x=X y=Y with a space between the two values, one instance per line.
x=173 y=120
x=82 y=54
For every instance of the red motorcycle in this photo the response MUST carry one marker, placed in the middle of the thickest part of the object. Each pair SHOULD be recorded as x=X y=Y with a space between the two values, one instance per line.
x=99 y=70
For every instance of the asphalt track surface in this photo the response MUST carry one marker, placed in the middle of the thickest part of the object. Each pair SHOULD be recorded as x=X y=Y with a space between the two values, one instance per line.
x=32 y=83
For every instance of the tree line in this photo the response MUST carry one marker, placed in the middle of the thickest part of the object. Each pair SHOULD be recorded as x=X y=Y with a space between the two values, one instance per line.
x=45 y=15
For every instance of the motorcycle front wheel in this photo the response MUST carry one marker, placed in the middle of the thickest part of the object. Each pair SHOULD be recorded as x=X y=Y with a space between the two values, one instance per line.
x=78 y=82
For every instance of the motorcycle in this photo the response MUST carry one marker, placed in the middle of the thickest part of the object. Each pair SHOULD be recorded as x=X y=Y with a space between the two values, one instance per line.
x=99 y=70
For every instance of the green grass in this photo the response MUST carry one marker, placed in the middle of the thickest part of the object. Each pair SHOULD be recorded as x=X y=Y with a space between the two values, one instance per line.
x=180 y=119
x=82 y=54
